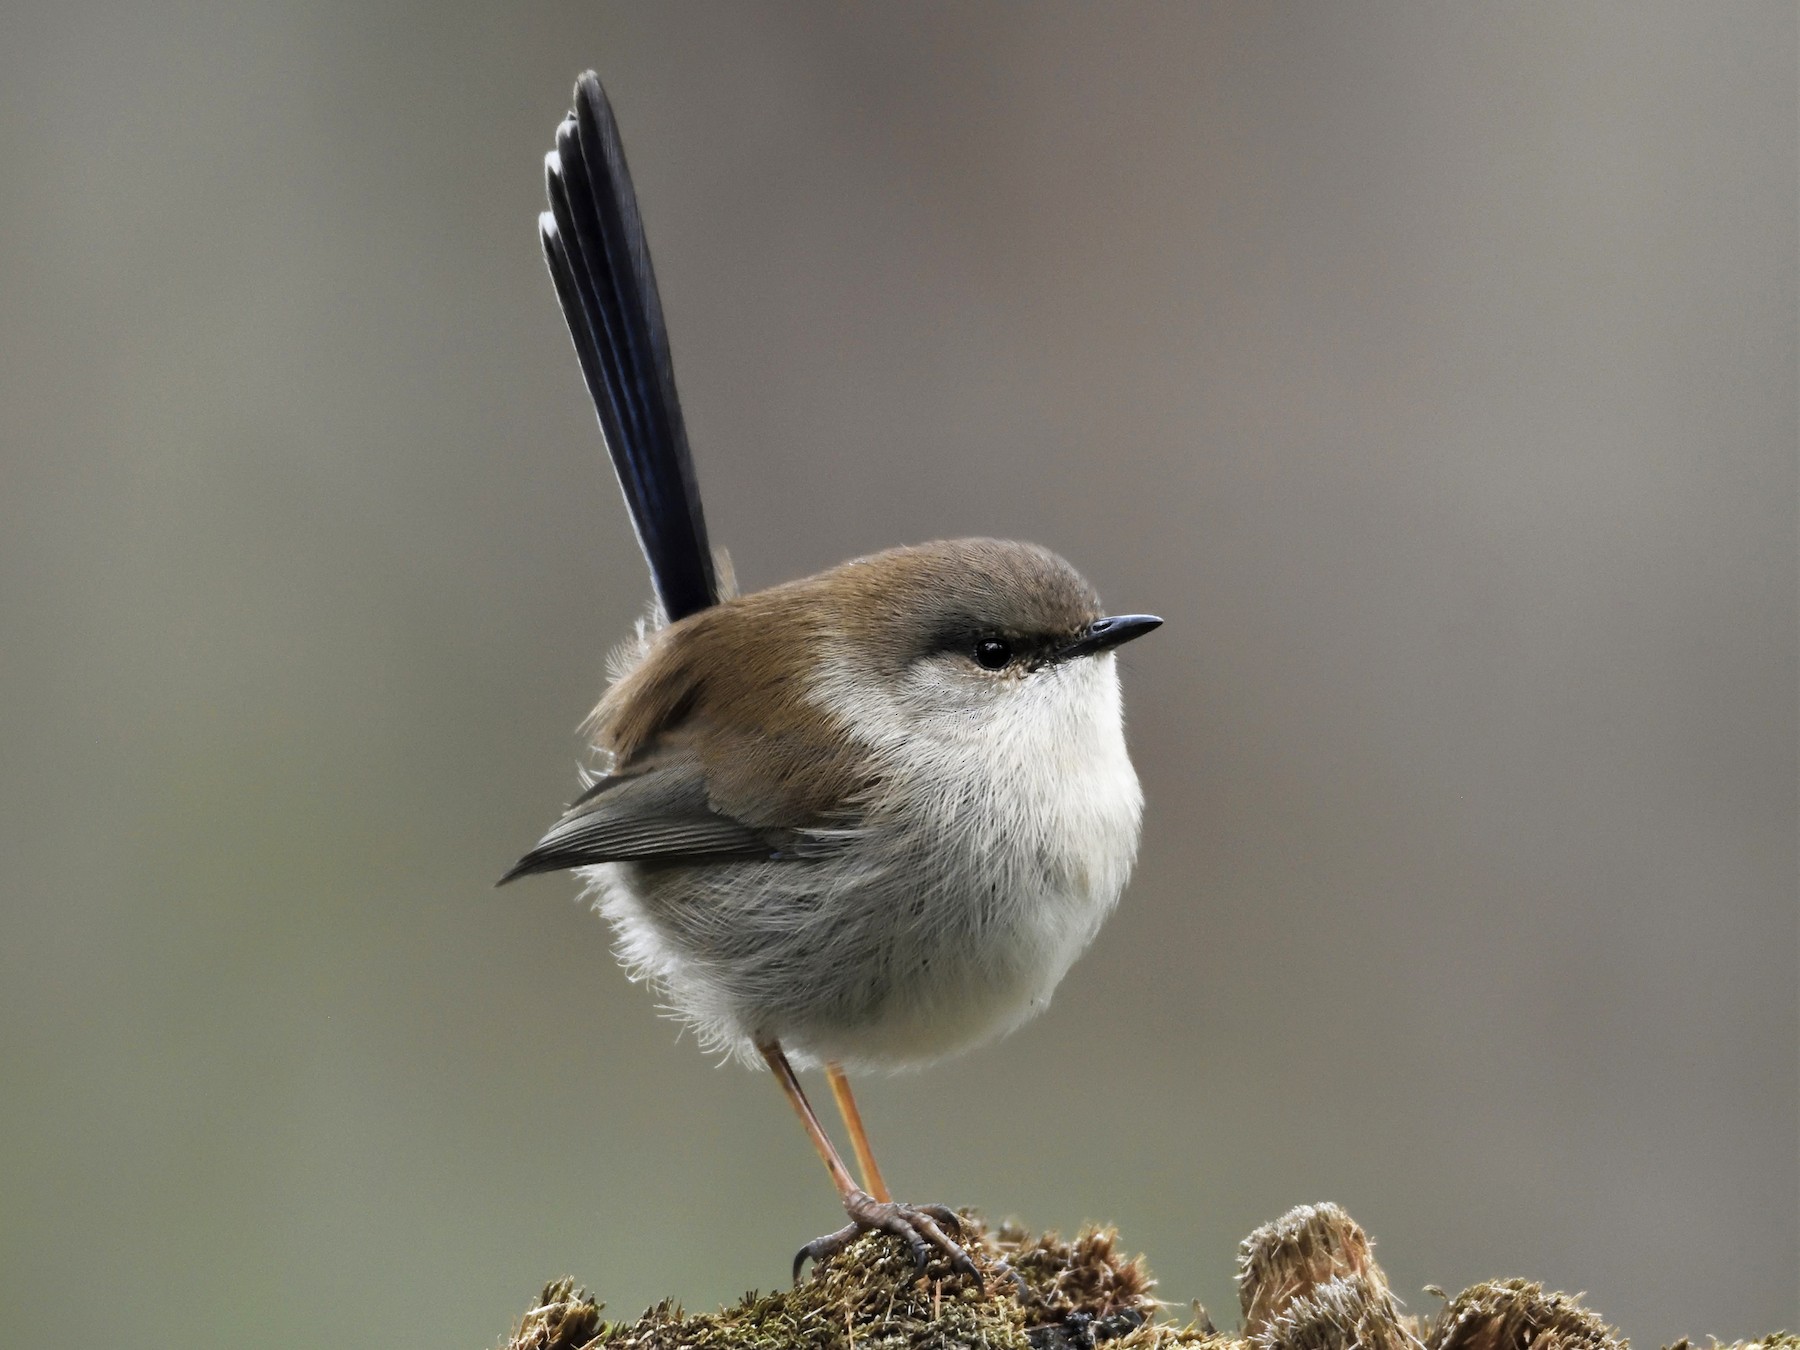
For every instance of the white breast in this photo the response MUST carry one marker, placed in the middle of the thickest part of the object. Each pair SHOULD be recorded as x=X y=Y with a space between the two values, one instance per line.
x=1013 y=829
x=1002 y=834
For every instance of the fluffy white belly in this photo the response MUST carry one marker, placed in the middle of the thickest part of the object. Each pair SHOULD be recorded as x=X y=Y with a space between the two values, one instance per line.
x=984 y=869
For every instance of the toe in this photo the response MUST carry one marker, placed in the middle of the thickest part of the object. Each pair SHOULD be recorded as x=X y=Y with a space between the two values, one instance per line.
x=822 y=1249
x=921 y=1227
x=925 y=1219
x=921 y=1249
x=945 y=1216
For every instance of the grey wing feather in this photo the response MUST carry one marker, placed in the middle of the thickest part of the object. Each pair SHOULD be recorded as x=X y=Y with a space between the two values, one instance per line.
x=658 y=813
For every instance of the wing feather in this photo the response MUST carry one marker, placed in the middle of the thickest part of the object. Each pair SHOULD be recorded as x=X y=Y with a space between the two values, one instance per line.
x=660 y=812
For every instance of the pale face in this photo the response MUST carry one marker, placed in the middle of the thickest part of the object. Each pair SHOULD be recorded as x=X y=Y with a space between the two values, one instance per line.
x=988 y=677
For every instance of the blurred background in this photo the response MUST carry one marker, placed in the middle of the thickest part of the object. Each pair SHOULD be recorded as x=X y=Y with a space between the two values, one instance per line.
x=1432 y=370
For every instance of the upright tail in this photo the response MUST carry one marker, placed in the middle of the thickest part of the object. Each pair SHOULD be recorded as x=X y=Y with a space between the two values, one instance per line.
x=594 y=243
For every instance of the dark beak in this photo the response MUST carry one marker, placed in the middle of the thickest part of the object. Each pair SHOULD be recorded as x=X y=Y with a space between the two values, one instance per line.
x=1102 y=634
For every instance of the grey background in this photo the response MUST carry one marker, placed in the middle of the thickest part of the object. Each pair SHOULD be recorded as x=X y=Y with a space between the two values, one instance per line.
x=1431 y=369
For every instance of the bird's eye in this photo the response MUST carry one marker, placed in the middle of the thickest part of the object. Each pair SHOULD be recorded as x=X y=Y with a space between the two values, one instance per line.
x=992 y=653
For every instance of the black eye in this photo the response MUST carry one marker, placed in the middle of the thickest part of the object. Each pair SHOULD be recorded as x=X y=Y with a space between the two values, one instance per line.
x=992 y=653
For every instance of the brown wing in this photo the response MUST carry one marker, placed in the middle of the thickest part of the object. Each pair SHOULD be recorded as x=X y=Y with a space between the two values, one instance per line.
x=725 y=690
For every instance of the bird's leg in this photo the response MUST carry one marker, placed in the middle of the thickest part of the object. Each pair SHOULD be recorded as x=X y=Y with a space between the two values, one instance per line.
x=921 y=1226
x=784 y=1074
x=859 y=1138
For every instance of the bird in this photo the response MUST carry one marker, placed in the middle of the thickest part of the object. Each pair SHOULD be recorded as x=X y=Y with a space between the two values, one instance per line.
x=862 y=820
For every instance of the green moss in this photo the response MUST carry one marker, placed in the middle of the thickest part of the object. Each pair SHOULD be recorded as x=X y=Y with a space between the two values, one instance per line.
x=1307 y=1281
x=1038 y=1293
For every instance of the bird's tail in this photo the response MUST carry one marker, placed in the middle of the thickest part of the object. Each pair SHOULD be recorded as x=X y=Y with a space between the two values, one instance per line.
x=594 y=243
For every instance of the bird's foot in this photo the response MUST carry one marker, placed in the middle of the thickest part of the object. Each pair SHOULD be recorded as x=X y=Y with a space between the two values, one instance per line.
x=922 y=1227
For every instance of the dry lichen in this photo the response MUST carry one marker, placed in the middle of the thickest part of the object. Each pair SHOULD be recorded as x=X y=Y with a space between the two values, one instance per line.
x=1308 y=1281
x=564 y=1318
x=1519 y=1315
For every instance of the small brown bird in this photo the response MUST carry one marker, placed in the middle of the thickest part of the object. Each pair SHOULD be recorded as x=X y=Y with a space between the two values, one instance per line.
x=866 y=819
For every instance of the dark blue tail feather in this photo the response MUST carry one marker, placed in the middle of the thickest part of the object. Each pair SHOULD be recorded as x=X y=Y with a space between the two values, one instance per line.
x=600 y=264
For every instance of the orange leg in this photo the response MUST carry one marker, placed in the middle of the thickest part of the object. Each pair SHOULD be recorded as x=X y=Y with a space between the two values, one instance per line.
x=922 y=1227
x=784 y=1074
x=859 y=1138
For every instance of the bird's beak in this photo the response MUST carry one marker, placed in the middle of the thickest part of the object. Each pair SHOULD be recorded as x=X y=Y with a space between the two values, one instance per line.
x=1102 y=634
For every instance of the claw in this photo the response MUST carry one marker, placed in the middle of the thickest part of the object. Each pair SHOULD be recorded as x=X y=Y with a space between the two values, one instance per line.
x=1004 y=1267
x=921 y=1227
x=948 y=1217
x=921 y=1251
x=926 y=1222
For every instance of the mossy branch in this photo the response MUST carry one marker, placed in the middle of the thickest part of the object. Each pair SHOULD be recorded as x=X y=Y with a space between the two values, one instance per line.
x=1308 y=1281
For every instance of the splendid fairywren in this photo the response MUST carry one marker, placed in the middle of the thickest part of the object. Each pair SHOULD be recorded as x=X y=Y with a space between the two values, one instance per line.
x=867 y=818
